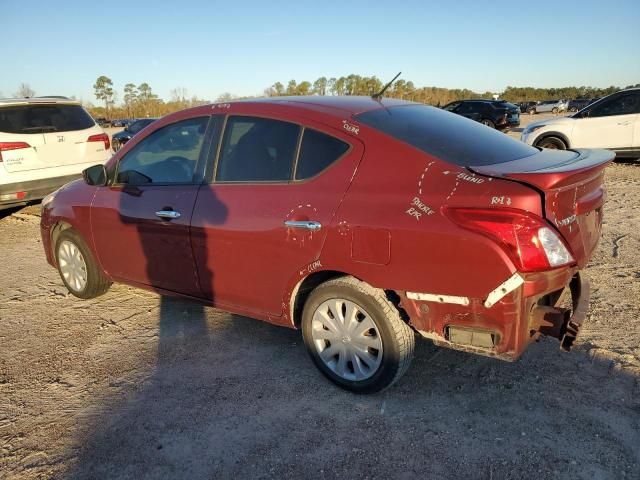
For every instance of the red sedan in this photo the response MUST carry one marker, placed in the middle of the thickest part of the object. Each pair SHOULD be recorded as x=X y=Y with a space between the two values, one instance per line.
x=355 y=219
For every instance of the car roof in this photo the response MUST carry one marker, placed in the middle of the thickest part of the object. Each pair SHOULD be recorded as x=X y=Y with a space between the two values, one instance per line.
x=340 y=105
x=37 y=101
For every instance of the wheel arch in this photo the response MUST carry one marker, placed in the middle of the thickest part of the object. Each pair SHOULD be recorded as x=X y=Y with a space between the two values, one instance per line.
x=59 y=227
x=559 y=135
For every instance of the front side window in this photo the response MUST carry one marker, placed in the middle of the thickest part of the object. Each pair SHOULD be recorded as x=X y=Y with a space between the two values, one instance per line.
x=168 y=155
x=468 y=107
x=451 y=107
x=257 y=149
x=625 y=104
x=317 y=152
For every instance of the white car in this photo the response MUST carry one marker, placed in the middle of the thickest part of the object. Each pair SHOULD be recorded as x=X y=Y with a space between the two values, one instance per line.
x=612 y=122
x=553 y=106
x=45 y=143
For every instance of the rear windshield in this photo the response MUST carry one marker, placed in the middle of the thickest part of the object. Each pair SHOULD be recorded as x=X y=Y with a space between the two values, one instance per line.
x=445 y=135
x=44 y=118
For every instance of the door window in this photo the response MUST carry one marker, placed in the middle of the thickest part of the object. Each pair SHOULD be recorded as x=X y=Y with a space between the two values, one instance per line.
x=168 y=155
x=451 y=107
x=621 y=105
x=317 y=152
x=467 y=107
x=257 y=150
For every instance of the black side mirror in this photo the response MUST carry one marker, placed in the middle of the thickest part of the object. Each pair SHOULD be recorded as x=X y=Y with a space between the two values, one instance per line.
x=95 y=175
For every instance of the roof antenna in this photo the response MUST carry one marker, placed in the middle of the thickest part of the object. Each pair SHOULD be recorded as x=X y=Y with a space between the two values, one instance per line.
x=378 y=96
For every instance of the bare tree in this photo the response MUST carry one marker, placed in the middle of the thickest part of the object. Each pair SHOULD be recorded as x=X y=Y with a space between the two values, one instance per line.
x=25 y=91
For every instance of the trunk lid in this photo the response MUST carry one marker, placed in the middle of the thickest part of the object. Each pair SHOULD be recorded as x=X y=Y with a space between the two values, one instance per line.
x=571 y=183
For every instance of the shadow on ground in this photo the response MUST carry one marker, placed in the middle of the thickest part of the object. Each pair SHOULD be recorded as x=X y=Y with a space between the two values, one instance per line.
x=231 y=397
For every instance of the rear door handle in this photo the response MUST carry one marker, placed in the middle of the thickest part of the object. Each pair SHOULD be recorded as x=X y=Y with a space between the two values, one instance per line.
x=170 y=214
x=307 y=224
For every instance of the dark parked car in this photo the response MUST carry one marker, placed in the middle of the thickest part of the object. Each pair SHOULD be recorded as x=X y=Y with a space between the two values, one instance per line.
x=580 y=103
x=130 y=129
x=360 y=221
x=103 y=122
x=528 y=107
x=496 y=114
x=121 y=122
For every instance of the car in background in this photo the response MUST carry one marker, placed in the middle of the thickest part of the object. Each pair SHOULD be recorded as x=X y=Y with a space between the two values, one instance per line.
x=578 y=104
x=45 y=143
x=528 y=107
x=284 y=210
x=130 y=129
x=121 y=122
x=103 y=122
x=613 y=122
x=553 y=106
x=497 y=114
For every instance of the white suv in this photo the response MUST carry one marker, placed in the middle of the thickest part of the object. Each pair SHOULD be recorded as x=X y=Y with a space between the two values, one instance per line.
x=45 y=143
x=612 y=122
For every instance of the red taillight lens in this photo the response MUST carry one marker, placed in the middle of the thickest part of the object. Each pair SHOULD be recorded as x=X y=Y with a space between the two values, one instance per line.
x=6 y=146
x=519 y=233
x=101 y=137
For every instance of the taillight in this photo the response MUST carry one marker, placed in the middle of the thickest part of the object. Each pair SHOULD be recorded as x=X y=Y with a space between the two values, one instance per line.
x=526 y=238
x=6 y=146
x=101 y=137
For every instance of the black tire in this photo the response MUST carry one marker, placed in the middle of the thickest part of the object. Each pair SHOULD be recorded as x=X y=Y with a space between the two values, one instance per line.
x=554 y=110
x=552 y=143
x=531 y=111
x=97 y=283
x=397 y=337
x=573 y=109
x=488 y=123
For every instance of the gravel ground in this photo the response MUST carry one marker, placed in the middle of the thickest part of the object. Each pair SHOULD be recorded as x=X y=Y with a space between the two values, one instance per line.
x=132 y=385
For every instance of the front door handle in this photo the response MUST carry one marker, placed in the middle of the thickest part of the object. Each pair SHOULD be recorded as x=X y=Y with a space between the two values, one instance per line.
x=307 y=224
x=170 y=214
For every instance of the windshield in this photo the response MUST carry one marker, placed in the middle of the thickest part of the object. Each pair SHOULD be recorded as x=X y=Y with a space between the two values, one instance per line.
x=44 y=118
x=445 y=135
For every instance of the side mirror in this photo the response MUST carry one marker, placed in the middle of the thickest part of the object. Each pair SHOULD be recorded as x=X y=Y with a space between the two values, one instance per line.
x=126 y=128
x=95 y=175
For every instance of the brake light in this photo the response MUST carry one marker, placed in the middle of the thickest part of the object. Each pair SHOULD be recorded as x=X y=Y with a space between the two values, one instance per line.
x=101 y=137
x=6 y=146
x=526 y=238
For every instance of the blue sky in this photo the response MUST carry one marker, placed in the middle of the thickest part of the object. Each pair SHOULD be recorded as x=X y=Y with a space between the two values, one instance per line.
x=242 y=47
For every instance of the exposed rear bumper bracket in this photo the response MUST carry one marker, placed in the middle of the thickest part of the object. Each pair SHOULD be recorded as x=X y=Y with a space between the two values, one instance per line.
x=562 y=323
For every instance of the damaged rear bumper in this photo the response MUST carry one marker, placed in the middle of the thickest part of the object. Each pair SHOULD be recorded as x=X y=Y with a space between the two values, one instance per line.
x=529 y=306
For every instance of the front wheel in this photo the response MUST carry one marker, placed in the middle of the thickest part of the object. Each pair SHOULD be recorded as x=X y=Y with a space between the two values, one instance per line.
x=78 y=270
x=554 y=110
x=355 y=335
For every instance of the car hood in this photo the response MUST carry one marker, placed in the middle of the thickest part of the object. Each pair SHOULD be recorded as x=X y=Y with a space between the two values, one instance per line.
x=552 y=121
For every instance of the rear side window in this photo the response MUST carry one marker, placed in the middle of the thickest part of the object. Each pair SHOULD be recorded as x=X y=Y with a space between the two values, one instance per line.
x=447 y=136
x=44 y=118
x=257 y=150
x=317 y=152
x=168 y=155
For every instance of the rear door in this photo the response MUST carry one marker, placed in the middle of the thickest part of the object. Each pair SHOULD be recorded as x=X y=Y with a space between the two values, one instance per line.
x=470 y=110
x=263 y=219
x=609 y=123
x=141 y=222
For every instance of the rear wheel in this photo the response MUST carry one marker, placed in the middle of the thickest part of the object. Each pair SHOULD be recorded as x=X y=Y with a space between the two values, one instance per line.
x=531 y=111
x=355 y=335
x=488 y=123
x=553 y=143
x=78 y=270
x=554 y=110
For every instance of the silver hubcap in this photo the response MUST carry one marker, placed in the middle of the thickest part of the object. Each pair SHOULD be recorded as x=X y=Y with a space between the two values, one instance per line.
x=72 y=265
x=347 y=339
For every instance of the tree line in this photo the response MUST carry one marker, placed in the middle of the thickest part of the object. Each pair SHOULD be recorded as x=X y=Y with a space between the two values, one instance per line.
x=141 y=101
x=138 y=100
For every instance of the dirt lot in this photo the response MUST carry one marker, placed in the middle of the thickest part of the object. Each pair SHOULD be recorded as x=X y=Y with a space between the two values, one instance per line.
x=131 y=385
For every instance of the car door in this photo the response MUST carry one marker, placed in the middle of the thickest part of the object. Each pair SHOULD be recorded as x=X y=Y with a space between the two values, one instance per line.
x=140 y=222
x=470 y=110
x=608 y=123
x=263 y=218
